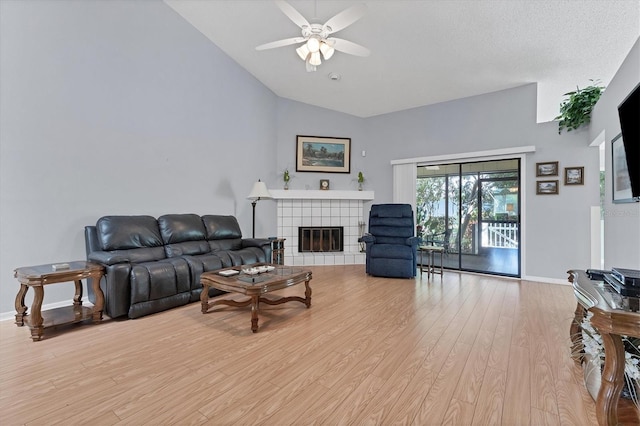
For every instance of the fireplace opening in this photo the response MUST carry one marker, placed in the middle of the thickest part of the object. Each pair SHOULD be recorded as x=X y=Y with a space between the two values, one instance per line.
x=320 y=239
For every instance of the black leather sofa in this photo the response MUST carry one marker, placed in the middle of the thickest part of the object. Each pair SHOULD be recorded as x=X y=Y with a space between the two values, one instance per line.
x=155 y=264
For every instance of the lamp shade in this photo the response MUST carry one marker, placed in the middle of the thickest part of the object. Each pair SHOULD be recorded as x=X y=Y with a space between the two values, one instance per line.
x=303 y=52
x=259 y=192
x=315 y=58
x=327 y=51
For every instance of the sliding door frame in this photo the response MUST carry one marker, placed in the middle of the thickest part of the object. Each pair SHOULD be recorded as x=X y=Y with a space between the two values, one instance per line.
x=407 y=168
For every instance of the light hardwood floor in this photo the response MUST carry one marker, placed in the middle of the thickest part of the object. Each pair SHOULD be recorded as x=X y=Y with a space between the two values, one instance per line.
x=466 y=349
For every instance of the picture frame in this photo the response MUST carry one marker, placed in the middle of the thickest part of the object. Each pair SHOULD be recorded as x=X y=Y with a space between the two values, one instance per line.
x=620 y=172
x=324 y=184
x=549 y=168
x=574 y=175
x=323 y=154
x=547 y=187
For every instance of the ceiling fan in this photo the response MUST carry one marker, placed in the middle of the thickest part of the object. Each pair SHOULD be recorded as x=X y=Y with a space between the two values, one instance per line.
x=315 y=36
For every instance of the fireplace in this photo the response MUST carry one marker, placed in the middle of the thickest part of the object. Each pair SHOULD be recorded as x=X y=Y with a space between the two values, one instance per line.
x=325 y=209
x=320 y=239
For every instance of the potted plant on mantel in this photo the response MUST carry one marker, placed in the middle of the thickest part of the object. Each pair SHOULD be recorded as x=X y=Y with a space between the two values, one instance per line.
x=360 y=181
x=575 y=111
x=286 y=177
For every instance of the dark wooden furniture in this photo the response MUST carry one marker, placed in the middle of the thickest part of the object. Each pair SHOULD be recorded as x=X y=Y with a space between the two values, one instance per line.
x=277 y=251
x=613 y=316
x=39 y=276
x=255 y=286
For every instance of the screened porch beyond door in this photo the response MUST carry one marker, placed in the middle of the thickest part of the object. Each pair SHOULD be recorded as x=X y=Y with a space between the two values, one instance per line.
x=472 y=211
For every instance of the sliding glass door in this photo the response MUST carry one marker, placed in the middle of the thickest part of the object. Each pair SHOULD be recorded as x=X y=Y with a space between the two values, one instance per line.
x=472 y=211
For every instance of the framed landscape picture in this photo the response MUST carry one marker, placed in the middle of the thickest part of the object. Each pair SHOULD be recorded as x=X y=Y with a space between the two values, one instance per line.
x=547 y=187
x=574 y=175
x=323 y=154
x=547 y=169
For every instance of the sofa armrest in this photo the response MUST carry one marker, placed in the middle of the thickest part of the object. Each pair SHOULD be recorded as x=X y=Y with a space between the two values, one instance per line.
x=107 y=258
x=256 y=242
x=264 y=246
x=367 y=239
x=413 y=241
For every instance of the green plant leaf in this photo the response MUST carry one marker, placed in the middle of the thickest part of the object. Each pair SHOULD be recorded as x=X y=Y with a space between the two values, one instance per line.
x=576 y=110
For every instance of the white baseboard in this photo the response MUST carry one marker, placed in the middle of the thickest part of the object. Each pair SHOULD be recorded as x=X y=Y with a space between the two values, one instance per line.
x=547 y=280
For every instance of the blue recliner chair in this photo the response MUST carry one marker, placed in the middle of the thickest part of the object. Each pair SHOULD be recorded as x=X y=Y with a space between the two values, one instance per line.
x=391 y=244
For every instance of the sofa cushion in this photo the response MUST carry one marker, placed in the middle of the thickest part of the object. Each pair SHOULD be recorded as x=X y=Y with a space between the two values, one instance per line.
x=198 y=265
x=221 y=227
x=392 y=251
x=224 y=245
x=247 y=256
x=147 y=254
x=183 y=235
x=157 y=280
x=391 y=226
x=128 y=232
x=391 y=210
x=187 y=248
x=178 y=228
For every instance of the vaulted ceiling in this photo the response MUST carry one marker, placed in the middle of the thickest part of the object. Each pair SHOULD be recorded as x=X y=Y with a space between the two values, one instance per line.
x=426 y=52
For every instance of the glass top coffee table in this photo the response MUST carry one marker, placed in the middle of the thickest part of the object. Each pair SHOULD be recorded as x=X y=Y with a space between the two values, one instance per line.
x=254 y=281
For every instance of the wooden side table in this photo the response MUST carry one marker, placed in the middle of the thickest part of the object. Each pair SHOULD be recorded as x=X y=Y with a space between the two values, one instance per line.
x=612 y=323
x=39 y=276
x=277 y=250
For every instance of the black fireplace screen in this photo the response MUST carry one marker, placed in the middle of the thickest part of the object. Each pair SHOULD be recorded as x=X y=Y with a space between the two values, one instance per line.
x=320 y=238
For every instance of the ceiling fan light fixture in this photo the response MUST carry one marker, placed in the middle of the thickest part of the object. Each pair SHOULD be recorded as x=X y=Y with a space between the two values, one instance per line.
x=316 y=43
x=303 y=52
x=315 y=59
x=327 y=51
x=310 y=68
x=313 y=45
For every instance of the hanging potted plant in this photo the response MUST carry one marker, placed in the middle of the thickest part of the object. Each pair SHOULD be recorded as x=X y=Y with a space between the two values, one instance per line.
x=575 y=111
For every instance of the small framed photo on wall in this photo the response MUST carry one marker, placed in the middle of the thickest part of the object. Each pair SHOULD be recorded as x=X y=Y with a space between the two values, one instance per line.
x=547 y=169
x=547 y=187
x=574 y=175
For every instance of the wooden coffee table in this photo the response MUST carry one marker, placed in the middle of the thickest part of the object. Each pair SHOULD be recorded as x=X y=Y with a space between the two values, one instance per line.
x=41 y=275
x=255 y=286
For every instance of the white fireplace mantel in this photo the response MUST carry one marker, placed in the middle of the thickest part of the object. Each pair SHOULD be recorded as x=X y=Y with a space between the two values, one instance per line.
x=317 y=194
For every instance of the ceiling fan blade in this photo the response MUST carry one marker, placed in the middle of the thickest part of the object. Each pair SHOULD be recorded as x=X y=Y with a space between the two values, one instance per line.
x=280 y=43
x=292 y=14
x=345 y=18
x=347 y=46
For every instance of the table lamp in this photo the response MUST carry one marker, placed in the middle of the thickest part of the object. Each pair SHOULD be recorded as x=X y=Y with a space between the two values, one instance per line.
x=258 y=192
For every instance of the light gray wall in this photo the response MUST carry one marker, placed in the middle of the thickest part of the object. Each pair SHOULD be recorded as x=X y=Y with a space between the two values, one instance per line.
x=621 y=221
x=295 y=118
x=557 y=227
x=124 y=108
x=118 y=108
x=501 y=120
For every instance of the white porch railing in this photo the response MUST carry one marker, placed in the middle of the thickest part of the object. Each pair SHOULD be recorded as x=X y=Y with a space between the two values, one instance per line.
x=500 y=234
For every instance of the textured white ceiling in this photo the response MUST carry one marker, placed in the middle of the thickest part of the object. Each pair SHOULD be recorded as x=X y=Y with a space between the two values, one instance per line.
x=430 y=51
